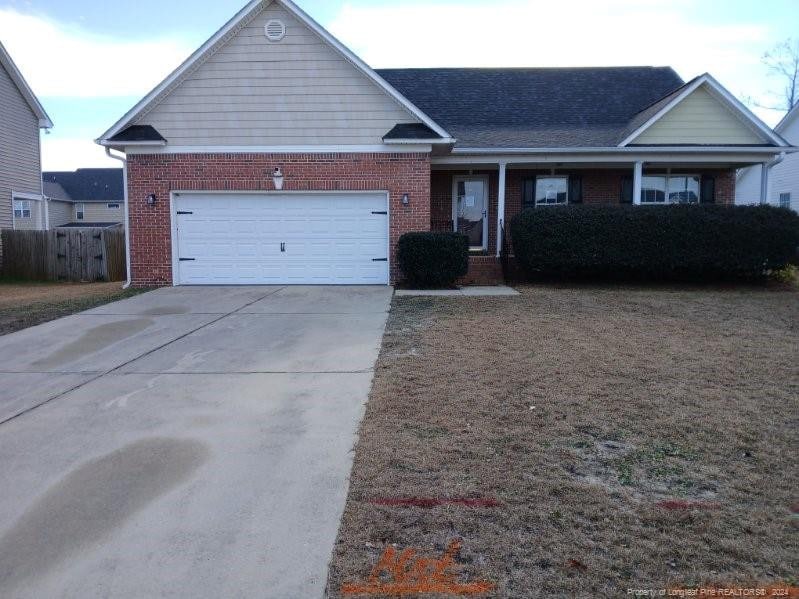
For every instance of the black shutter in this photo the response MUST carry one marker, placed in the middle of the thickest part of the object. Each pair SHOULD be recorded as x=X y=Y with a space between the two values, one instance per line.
x=575 y=189
x=707 y=193
x=528 y=193
x=626 y=190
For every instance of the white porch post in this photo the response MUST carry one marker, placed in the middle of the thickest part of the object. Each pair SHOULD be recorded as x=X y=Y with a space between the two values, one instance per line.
x=764 y=171
x=500 y=207
x=638 y=173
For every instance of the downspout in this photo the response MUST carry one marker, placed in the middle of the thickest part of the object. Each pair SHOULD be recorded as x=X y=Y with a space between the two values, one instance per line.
x=127 y=212
x=764 y=176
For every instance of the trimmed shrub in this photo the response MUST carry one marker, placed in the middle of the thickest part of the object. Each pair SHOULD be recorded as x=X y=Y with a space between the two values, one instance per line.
x=433 y=259
x=676 y=242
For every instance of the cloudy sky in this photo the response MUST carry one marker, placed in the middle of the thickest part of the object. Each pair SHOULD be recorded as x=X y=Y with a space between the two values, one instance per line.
x=89 y=61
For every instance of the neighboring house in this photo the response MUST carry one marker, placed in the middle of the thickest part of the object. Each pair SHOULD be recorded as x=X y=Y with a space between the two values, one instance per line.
x=783 y=188
x=21 y=118
x=275 y=155
x=88 y=197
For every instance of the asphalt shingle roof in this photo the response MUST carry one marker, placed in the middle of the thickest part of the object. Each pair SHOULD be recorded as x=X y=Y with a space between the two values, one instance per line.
x=54 y=191
x=411 y=131
x=88 y=184
x=138 y=133
x=537 y=107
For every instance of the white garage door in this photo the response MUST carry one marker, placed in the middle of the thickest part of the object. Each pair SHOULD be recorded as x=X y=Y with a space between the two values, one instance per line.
x=266 y=239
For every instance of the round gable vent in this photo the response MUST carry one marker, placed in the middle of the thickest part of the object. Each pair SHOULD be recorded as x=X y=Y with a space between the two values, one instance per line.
x=275 y=30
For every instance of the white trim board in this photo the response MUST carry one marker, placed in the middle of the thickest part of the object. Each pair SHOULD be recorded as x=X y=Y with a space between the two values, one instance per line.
x=739 y=157
x=23 y=195
x=720 y=93
x=630 y=150
x=242 y=16
x=377 y=149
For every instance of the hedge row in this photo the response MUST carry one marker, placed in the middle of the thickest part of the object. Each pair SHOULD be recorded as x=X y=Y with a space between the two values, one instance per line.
x=655 y=242
x=433 y=259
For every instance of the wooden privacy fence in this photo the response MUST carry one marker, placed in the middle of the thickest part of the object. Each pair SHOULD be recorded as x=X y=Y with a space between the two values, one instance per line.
x=85 y=254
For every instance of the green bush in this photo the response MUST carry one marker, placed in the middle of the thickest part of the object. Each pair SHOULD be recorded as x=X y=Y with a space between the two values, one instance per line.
x=433 y=259
x=655 y=242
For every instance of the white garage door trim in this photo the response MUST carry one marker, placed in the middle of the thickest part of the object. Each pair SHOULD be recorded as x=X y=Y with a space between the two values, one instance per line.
x=176 y=194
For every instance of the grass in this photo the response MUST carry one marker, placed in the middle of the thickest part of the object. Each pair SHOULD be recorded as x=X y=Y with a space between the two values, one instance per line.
x=25 y=304
x=635 y=437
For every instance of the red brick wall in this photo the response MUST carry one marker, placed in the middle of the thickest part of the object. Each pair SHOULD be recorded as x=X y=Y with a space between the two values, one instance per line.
x=150 y=232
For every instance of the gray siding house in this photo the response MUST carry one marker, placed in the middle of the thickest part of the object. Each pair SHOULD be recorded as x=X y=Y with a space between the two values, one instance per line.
x=21 y=117
x=87 y=197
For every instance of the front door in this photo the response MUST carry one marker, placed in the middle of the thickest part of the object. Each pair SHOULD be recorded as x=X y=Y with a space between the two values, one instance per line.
x=470 y=210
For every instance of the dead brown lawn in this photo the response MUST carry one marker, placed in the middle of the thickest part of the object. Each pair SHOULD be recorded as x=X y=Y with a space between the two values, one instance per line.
x=25 y=304
x=582 y=410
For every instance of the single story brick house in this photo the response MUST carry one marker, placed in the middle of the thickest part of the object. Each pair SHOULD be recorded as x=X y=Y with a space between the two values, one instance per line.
x=274 y=155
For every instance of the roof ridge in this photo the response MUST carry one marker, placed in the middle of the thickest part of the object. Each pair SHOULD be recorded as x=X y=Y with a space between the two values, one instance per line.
x=573 y=68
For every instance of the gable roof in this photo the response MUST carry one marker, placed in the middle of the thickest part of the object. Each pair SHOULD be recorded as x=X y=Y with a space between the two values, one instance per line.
x=654 y=113
x=87 y=184
x=221 y=37
x=410 y=132
x=55 y=191
x=534 y=107
x=24 y=88
x=787 y=119
x=138 y=134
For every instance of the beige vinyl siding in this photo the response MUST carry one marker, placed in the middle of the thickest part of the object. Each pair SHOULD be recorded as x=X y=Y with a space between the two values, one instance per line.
x=61 y=213
x=699 y=119
x=20 y=168
x=296 y=92
x=96 y=212
x=35 y=222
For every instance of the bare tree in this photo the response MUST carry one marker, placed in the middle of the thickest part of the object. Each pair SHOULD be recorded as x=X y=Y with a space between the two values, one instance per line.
x=782 y=62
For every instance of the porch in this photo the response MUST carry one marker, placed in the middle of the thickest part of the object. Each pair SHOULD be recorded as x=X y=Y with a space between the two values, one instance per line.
x=480 y=199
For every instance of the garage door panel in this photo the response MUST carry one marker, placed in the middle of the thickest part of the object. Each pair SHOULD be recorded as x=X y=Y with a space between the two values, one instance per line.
x=329 y=238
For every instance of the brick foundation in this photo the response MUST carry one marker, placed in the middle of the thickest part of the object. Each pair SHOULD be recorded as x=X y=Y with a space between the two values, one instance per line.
x=150 y=229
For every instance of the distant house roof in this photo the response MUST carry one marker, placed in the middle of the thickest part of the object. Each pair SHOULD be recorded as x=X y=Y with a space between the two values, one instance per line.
x=24 y=88
x=85 y=225
x=138 y=133
x=87 y=184
x=54 y=191
x=786 y=120
x=535 y=107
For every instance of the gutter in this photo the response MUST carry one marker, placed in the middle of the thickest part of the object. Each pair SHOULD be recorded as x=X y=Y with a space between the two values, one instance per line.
x=127 y=211
x=764 y=176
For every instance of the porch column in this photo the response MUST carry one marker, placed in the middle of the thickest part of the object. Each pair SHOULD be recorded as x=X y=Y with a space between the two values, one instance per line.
x=500 y=207
x=638 y=173
x=764 y=171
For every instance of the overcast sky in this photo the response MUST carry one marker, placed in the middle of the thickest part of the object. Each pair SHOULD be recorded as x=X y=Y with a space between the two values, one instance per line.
x=89 y=61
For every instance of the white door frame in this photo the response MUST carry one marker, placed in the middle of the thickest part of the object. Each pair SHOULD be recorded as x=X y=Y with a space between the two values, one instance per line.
x=457 y=179
x=173 y=220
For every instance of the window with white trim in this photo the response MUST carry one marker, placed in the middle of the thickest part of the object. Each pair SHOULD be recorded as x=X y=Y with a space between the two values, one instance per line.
x=112 y=206
x=22 y=208
x=670 y=189
x=80 y=211
x=785 y=200
x=551 y=191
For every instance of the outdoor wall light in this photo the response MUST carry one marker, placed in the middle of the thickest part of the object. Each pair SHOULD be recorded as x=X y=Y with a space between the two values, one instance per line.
x=405 y=199
x=277 y=178
x=151 y=199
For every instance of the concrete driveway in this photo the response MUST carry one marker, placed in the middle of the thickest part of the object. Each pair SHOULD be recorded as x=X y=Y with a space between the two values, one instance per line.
x=188 y=442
